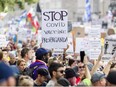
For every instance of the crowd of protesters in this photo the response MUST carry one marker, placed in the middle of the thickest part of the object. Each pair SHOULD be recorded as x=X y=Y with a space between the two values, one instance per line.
x=30 y=65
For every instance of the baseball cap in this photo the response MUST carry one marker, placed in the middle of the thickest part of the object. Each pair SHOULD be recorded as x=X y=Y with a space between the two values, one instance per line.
x=90 y=66
x=97 y=76
x=69 y=72
x=44 y=72
x=111 y=77
x=5 y=72
x=41 y=51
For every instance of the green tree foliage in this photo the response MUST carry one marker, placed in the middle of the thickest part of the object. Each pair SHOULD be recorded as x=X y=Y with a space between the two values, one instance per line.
x=9 y=5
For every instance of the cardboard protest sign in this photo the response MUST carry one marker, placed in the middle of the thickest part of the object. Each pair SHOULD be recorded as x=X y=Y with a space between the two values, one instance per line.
x=79 y=32
x=54 y=28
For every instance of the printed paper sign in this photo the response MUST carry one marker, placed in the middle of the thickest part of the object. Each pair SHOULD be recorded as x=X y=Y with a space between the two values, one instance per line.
x=79 y=45
x=54 y=28
x=3 y=42
x=22 y=34
x=96 y=23
x=94 y=33
x=109 y=49
x=94 y=54
x=58 y=51
x=109 y=46
x=94 y=43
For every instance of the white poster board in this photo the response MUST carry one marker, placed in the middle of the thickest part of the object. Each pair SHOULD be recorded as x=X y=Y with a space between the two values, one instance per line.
x=54 y=28
x=95 y=43
x=57 y=51
x=3 y=42
x=22 y=34
x=79 y=45
x=109 y=46
x=94 y=54
x=70 y=49
x=96 y=23
x=94 y=33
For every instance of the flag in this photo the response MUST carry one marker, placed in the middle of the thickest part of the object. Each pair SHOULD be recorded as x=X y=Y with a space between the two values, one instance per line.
x=35 y=24
x=32 y=18
x=23 y=14
x=38 y=9
x=22 y=17
x=87 y=16
x=30 y=14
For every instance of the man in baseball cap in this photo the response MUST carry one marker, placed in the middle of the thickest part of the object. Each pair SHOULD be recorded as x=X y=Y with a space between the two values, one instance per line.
x=98 y=79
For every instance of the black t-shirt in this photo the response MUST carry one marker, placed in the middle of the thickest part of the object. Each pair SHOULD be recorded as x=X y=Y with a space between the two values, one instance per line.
x=12 y=63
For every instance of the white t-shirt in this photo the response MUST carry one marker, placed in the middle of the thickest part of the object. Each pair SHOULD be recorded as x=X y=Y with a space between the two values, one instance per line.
x=51 y=83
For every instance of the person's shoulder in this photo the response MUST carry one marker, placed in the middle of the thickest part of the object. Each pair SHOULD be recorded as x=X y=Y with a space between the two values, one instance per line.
x=50 y=83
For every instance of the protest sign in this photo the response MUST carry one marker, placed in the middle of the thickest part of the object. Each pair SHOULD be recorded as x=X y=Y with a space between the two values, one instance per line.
x=79 y=45
x=3 y=42
x=22 y=34
x=109 y=47
x=94 y=33
x=94 y=43
x=94 y=53
x=96 y=24
x=70 y=49
x=79 y=31
x=54 y=28
x=57 y=51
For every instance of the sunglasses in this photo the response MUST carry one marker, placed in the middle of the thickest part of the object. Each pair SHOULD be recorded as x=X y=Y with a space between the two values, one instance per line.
x=81 y=66
x=61 y=71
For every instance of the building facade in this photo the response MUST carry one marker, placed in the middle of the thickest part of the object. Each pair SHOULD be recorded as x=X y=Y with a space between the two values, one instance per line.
x=76 y=8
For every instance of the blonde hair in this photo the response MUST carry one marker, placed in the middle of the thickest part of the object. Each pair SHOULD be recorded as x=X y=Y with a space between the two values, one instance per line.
x=19 y=61
x=25 y=81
